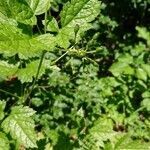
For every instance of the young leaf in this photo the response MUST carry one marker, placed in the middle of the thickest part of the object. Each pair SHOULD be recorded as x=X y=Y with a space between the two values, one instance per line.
x=21 y=126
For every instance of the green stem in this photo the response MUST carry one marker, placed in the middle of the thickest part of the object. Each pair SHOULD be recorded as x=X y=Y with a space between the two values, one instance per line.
x=39 y=29
x=39 y=67
x=141 y=108
x=59 y=58
x=6 y=92
x=38 y=71
x=36 y=78
x=45 y=26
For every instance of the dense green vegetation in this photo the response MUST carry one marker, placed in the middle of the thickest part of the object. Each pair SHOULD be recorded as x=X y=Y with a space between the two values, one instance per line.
x=74 y=74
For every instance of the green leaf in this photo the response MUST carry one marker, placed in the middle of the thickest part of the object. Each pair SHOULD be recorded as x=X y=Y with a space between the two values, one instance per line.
x=37 y=101
x=146 y=94
x=18 y=10
x=138 y=49
x=146 y=68
x=74 y=13
x=39 y=6
x=100 y=132
x=48 y=146
x=42 y=7
x=146 y=103
x=137 y=144
x=2 y=107
x=52 y=24
x=7 y=70
x=24 y=74
x=141 y=74
x=4 y=143
x=21 y=126
x=119 y=68
x=79 y=12
x=122 y=66
x=27 y=74
x=128 y=143
x=63 y=37
x=143 y=33
x=125 y=58
x=13 y=41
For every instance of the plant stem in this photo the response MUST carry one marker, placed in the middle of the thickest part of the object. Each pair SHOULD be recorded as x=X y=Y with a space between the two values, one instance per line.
x=45 y=26
x=39 y=67
x=37 y=74
x=36 y=77
x=6 y=92
x=59 y=58
x=39 y=29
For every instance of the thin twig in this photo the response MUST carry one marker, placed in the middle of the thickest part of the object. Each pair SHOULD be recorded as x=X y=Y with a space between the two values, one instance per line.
x=55 y=61
x=6 y=92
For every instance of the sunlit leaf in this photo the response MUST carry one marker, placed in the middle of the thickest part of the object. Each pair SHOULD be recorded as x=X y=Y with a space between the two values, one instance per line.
x=21 y=126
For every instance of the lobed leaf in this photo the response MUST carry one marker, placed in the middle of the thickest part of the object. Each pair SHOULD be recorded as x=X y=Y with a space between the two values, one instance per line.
x=127 y=143
x=27 y=74
x=74 y=13
x=18 y=10
x=13 y=41
x=79 y=12
x=100 y=132
x=39 y=6
x=21 y=126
